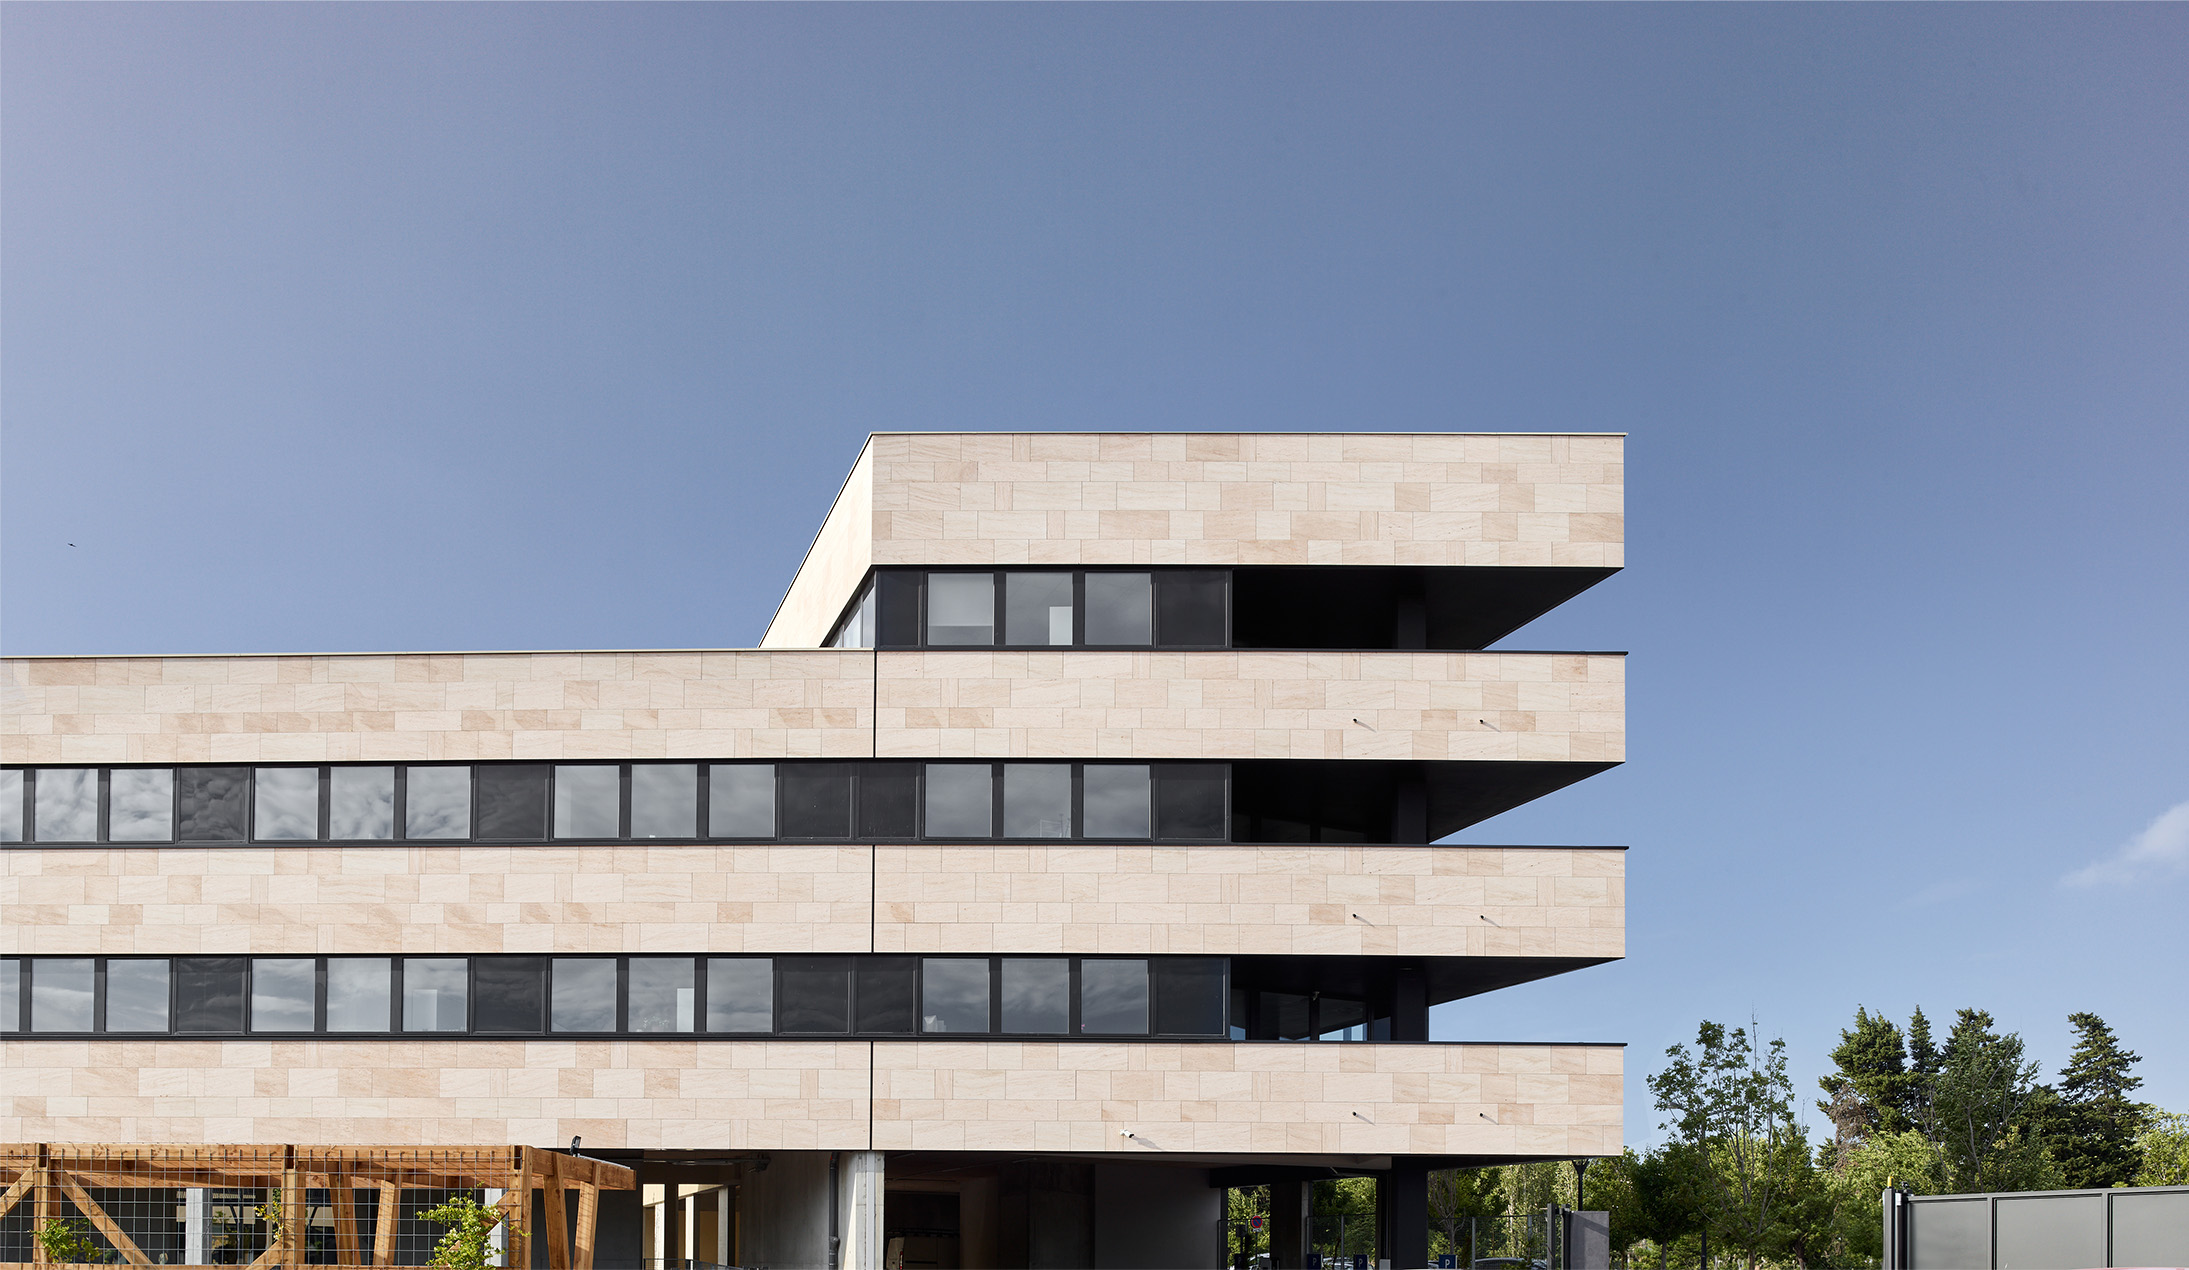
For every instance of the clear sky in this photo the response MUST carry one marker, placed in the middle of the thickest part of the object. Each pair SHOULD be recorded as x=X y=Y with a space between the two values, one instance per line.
x=335 y=327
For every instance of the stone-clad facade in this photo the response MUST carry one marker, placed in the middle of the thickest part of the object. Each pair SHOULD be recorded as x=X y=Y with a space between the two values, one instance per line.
x=1072 y=838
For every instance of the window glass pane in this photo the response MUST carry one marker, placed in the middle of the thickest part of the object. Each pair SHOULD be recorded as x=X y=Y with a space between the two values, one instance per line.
x=954 y=994
x=1284 y=1016
x=140 y=805
x=512 y=801
x=1113 y=997
x=1341 y=1020
x=960 y=800
x=961 y=609
x=1037 y=609
x=11 y=817
x=360 y=991
x=588 y=801
x=210 y=803
x=889 y=797
x=361 y=802
x=816 y=994
x=741 y=994
x=437 y=802
x=60 y=994
x=585 y=994
x=1117 y=800
x=512 y=994
x=209 y=995
x=1189 y=800
x=1190 y=609
x=68 y=805
x=886 y=988
x=288 y=804
x=665 y=800
x=136 y=996
x=897 y=609
x=1037 y=800
x=1118 y=608
x=816 y=800
x=741 y=800
x=662 y=996
x=11 y=995
x=1037 y=996
x=435 y=991
x=282 y=991
x=1189 y=996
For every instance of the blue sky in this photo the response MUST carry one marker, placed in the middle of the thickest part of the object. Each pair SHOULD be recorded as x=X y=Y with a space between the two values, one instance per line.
x=494 y=326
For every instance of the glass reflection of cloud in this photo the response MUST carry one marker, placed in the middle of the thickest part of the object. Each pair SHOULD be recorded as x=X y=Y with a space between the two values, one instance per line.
x=361 y=803
x=288 y=803
x=68 y=805
x=437 y=802
x=140 y=805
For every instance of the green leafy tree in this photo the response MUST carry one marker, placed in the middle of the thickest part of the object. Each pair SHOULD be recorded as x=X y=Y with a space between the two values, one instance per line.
x=68 y=1241
x=467 y=1240
x=1342 y=1215
x=1736 y=1108
x=1457 y=1198
x=2164 y=1149
x=1872 y=1089
x=1667 y=1200
x=1985 y=1108
x=2092 y=1126
x=1908 y=1160
x=1925 y=1062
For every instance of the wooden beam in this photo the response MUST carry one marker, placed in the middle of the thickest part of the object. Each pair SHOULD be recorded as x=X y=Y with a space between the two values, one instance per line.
x=383 y=1227
x=345 y=1220
x=519 y=1201
x=106 y=1225
x=556 y=1215
x=296 y=1215
x=45 y=1213
x=588 y=1220
x=17 y=1191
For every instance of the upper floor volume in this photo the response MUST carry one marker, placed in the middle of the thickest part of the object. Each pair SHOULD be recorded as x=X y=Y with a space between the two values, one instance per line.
x=1299 y=541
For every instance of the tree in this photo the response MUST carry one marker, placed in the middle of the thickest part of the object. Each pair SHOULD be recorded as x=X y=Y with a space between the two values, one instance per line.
x=1735 y=1108
x=1456 y=1197
x=1907 y=1160
x=1872 y=1090
x=468 y=1238
x=1984 y=1111
x=1240 y=1239
x=1924 y=1064
x=2164 y=1147
x=2091 y=1128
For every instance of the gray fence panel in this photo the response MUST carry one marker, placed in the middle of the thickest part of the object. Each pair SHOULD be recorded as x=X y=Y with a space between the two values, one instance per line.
x=2150 y=1228
x=2051 y=1232
x=1950 y=1234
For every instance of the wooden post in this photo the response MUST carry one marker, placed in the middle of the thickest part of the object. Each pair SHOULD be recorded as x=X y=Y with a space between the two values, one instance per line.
x=44 y=1209
x=105 y=1225
x=518 y=1203
x=588 y=1219
x=296 y=1216
x=383 y=1227
x=345 y=1220
x=558 y=1230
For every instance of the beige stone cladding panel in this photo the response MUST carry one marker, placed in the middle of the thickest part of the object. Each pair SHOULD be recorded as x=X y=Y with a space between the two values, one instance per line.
x=1233 y=499
x=1442 y=901
x=1555 y=707
x=1552 y=1101
x=414 y=899
x=716 y=1095
x=834 y=566
x=429 y=707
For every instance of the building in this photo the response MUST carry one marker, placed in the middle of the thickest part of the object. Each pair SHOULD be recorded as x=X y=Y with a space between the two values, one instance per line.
x=1061 y=857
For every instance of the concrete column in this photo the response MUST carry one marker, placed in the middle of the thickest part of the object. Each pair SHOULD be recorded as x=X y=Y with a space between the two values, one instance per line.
x=724 y=1214
x=197 y=1222
x=860 y=1178
x=1288 y=1232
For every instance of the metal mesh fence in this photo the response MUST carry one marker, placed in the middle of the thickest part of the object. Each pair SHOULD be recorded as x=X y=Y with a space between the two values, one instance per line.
x=268 y=1206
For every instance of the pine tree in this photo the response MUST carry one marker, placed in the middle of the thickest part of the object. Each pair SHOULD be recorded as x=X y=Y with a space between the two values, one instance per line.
x=1872 y=1091
x=1987 y=1109
x=2093 y=1126
x=1924 y=1064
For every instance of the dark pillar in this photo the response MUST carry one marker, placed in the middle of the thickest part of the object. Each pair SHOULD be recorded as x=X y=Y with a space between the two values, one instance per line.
x=1402 y=1211
x=1410 y=1004
x=1410 y=808
x=1288 y=1235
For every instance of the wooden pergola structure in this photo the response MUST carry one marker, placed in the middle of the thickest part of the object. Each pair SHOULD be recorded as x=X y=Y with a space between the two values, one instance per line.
x=56 y=1180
